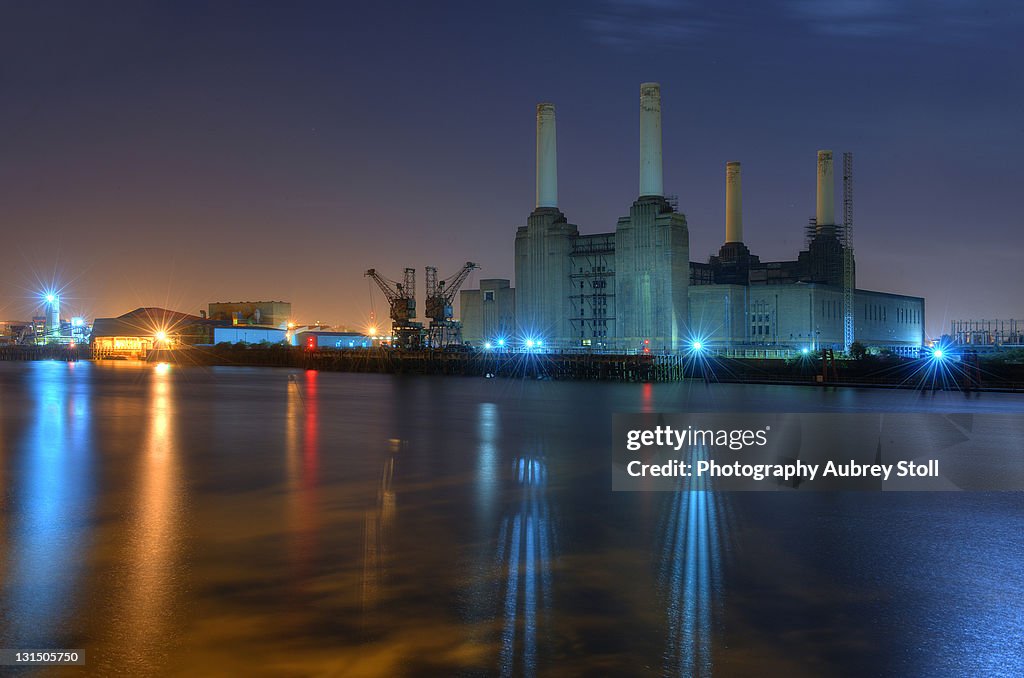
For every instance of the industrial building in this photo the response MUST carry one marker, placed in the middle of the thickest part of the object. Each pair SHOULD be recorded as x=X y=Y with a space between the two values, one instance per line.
x=987 y=335
x=248 y=334
x=489 y=311
x=738 y=300
x=136 y=333
x=48 y=328
x=636 y=289
x=14 y=331
x=320 y=339
x=266 y=313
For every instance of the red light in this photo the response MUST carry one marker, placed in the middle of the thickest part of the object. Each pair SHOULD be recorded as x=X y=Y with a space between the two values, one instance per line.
x=646 y=341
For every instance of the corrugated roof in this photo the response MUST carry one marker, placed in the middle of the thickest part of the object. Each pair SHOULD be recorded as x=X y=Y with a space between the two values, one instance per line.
x=143 y=322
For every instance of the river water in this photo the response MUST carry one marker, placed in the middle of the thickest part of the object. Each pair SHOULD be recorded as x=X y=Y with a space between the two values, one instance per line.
x=236 y=521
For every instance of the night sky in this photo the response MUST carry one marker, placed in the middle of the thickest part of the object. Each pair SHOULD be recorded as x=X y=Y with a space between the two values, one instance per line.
x=179 y=153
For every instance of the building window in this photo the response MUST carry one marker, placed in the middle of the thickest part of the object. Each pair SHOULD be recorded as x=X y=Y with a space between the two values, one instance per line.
x=489 y=295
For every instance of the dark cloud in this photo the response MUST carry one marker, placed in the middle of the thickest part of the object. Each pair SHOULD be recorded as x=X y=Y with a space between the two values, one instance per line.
x=933 y=20
x=642 y=24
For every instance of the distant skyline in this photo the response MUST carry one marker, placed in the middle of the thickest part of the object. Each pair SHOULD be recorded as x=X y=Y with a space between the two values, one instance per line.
x=179 y=153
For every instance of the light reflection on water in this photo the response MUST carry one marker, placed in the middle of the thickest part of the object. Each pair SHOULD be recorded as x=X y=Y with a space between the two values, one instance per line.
x=273 y=522
x=49 y=475
x=379 y=523
x=302 y=453
x=525 y=542
x=154 y=540
x=690 y=574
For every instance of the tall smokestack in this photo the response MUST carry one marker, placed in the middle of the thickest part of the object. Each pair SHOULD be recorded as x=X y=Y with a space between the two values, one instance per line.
x=733 y=203
x=650 y=139
x=547 y=157
x=825 y=213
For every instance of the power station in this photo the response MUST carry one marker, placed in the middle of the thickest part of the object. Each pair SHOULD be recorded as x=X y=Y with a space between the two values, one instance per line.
x=635 y=288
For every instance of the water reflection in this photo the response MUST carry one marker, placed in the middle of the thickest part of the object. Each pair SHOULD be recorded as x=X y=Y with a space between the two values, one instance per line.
x=690 y=575
x=647 y=397
x=154 y=548
x=500 y=483
x=525 y=545
x=51 y=504
x=487 y=470
x=302 y=452
x=377 y=527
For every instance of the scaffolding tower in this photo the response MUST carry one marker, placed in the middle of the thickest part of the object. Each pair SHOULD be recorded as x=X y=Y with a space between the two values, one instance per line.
x=849 y=283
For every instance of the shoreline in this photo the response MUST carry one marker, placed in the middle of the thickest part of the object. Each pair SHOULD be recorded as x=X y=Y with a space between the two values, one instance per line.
x=617 y=368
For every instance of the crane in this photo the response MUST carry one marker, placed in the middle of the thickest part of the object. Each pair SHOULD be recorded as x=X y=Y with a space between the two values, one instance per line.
x=401 y=298
x=440 y=297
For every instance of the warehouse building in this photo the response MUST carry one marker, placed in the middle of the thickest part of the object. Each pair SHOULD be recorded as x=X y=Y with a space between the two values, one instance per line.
x=247 y=334
x=136 y=333
x=321 y=339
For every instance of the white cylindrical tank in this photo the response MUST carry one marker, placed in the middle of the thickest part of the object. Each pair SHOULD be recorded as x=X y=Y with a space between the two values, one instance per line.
x=825 y=213
x=547 y=157
x=650 y=139
x=733 y=203
x=53 y=315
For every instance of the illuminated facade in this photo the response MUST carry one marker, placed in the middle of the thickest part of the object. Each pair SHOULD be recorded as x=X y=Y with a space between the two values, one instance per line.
x=635 y=289
x=621 y=290
x=489 y=313
x=134 y=334
x=265 y=313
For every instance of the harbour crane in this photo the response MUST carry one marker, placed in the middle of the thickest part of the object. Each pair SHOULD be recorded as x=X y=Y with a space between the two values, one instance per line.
x=401 y=298
x=440 y=298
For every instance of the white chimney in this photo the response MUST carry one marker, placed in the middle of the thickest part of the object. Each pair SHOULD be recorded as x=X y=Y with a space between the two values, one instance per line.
x=733 y=203
x=650 y=139
x=547 y=157
x=825 y=213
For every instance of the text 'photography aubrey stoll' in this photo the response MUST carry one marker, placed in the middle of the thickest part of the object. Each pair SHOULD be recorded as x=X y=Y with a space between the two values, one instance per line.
x=839 y=452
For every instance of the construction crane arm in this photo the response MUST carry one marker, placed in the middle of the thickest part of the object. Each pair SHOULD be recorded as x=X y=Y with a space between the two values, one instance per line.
x=392 y=290
x=450 y=286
